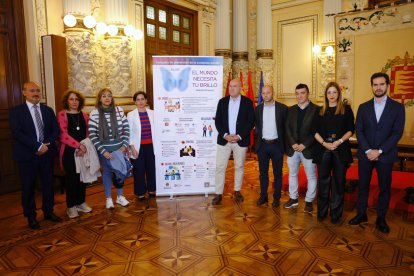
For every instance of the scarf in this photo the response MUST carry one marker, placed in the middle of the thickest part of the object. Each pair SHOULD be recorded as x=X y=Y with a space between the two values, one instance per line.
x=104 y=129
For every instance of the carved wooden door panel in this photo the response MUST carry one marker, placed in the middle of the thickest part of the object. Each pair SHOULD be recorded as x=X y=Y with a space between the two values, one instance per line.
x=13 y=72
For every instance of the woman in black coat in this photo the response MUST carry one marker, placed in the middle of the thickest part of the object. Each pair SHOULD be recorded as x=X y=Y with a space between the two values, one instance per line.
x=334 y=126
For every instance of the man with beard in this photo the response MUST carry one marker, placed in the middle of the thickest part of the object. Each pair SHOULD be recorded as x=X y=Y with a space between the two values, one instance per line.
x=379 y=126
x=35 y=129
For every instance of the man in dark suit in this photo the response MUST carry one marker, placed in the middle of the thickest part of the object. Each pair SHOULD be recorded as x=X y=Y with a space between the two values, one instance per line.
x=35 y=130
x=379 y=126
x=270 y=126
x=234 y=121
x=300 y=143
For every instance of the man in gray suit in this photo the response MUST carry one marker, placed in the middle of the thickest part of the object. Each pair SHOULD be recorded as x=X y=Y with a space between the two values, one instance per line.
x=299 y=145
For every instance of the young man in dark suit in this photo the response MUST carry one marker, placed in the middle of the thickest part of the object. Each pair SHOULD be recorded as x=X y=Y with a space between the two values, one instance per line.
x=379 y=126
x=35 y=129
x=234 y=121
x=300 y=143
x=270 y=126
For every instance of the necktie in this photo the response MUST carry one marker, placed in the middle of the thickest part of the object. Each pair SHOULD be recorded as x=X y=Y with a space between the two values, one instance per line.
x=39 y=123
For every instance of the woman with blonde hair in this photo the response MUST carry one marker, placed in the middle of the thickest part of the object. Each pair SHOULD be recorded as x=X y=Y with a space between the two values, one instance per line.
x=73 y=124
x=334 y=126
x=109 y=132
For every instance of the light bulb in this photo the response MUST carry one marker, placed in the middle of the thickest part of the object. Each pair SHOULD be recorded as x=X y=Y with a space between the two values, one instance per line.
x=316 y=49
x=129 y=30
x=101 y=28
x=329 y=50
x=138 y=34
x=112 y=29
x=89 y=21
x=69 y=20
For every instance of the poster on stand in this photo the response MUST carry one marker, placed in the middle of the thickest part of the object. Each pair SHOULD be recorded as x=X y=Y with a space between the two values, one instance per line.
x=186 y=92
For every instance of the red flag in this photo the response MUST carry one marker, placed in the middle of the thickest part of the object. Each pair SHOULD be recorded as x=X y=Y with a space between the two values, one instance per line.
x=241 y=82
x=250 y=93
x=228 y=84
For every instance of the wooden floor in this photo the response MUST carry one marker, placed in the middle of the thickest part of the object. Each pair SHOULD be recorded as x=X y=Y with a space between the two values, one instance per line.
x=187 y=236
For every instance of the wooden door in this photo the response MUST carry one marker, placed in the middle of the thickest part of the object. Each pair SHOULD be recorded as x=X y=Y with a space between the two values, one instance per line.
x=168 y=30
x=13 y=72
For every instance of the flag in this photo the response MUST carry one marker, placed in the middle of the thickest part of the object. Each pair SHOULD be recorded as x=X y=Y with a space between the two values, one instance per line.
x=241 y=82
x=250 y=95
x=228 y=85
x=260 y=99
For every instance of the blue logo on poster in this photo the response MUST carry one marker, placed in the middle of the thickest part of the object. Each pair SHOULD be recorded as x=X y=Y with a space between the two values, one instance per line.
x=180 y=82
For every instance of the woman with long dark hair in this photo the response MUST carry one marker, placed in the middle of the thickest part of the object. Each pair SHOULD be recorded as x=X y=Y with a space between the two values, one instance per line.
x=109 y=132
x=334 y=126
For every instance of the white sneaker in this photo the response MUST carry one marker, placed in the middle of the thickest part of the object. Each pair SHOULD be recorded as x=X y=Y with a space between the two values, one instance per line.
x=121 y=200
x=109 y=203
x=84 y=208
x=72 y=212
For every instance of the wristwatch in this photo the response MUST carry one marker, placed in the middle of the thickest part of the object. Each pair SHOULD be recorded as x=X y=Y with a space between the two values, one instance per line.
x=380 y=151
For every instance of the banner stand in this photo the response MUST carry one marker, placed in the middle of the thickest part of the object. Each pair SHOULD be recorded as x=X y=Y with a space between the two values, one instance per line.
x=186 y=92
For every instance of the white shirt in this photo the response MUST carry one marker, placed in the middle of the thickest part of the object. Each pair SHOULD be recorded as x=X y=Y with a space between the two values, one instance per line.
x=379 y=107
x=32 y=112
x=234 y=106
x=269 y=131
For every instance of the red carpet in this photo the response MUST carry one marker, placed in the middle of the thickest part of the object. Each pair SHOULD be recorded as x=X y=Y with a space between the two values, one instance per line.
x=400 y=181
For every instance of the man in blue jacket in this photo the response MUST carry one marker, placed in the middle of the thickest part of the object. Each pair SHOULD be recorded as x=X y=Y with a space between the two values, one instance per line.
x=379 y=126
x=35 y=129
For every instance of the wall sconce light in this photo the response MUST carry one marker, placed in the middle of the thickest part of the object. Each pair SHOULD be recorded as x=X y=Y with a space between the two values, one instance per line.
x=89 y=22
x=69 y=20
x=316 y=49
x=112 y=30
x=101 y=28
x=329 y=51
x=323 y=53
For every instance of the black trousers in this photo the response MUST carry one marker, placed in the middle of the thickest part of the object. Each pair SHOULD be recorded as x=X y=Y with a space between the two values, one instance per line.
x=75 y=189
x=29 y=171
x=266 y=153
x=144 y=170
x=384 y=171
x=331 y=183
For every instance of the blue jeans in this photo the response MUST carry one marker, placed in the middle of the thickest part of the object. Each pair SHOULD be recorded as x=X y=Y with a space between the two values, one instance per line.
x=107 y=178
x=275 y=153
x=310 y=170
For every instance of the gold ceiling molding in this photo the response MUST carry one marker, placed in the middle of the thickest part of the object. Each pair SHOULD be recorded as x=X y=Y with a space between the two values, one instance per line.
x=291 y=4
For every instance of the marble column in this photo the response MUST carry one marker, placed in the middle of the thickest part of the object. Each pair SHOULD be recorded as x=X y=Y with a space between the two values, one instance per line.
x=77 y=7
x=327 y=63
x=240 y=50
x=264 y=52
x=222 y=43
x=117 y=49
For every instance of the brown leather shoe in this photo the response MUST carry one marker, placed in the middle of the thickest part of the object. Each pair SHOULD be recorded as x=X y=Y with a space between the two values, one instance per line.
x=238 y=196
x=216 y=200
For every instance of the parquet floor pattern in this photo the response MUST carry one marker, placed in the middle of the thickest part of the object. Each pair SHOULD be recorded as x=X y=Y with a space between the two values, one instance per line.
x=187 y=236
